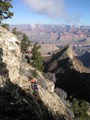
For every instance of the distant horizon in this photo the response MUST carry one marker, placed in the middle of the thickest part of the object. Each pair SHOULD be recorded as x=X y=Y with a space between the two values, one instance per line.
x=51 y=24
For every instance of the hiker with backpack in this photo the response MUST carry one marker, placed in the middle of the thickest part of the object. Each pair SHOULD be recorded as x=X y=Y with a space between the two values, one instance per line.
x=34 y=87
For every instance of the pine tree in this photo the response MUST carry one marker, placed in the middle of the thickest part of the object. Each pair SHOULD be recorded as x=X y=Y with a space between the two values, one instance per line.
x=5 y=6
x=37 y=58
x=25 y=43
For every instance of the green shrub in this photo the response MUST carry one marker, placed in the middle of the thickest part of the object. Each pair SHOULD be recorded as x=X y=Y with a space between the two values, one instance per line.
x=80 y=108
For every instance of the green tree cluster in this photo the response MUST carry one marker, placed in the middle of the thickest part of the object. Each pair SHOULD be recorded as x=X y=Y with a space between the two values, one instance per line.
x=25 y=43
x=37 y=58
x=5 y=6
x=80 y=108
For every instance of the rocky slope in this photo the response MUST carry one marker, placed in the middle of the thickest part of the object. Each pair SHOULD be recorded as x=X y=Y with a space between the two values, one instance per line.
x=14 y=83
x=70 y=73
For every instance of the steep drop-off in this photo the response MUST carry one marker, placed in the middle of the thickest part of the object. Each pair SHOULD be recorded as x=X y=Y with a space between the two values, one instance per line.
x=70 y=73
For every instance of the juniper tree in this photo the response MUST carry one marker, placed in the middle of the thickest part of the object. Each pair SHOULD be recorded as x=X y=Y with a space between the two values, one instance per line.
x=37 y=58
x=25 y=43
x=5 y=6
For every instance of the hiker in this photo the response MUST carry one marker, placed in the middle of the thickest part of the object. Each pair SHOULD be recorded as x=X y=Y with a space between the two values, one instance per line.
x=34 y=87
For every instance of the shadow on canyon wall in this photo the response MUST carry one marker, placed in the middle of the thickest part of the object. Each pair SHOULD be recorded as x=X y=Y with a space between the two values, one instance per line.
x=75 y=84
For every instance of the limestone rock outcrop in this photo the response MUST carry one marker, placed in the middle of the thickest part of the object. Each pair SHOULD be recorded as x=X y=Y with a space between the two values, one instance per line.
x=10 y=54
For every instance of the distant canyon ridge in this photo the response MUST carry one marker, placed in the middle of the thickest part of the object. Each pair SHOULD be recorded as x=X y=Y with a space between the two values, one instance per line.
x=54 y=36
x=59 y=34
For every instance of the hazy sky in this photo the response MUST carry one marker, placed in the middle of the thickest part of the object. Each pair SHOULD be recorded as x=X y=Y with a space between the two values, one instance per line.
x=51 y=12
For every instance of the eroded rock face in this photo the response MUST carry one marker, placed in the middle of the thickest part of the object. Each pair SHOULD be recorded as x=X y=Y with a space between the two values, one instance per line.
x=64 y=59
x=10 y=54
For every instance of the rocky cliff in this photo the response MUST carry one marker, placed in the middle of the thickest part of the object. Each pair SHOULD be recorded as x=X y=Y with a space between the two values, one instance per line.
x=15 y=74
x=70 y=73
x=10 y=55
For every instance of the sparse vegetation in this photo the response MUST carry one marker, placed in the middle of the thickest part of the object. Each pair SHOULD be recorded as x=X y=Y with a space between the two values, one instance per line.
x=37 y=58
x=15 y=32
x=6 y=26
x=80 y=108
x=5 y=6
